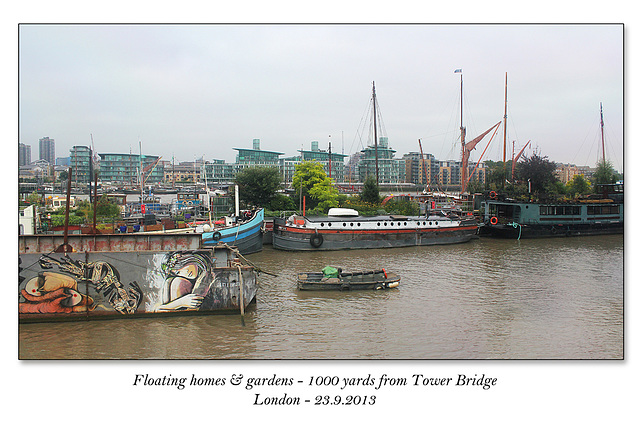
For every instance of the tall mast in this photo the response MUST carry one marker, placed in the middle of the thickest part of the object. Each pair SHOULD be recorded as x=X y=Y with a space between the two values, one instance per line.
x=602 y=132
x=463 y=172
x=140 y=175
x=504 y=150
x=375 y=131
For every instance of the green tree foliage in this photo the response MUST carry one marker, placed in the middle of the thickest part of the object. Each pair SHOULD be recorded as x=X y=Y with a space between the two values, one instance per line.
x=282 y=202
x=497 y=174
x=34 y=199
x=402 y=207
x=578 y=186
x=538 y=171
x=258 y=185
x=370 y=191
x=311 y=179
x=604 y=174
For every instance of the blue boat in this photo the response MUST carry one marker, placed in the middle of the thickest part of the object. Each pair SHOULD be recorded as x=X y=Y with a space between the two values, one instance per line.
x=244 y=232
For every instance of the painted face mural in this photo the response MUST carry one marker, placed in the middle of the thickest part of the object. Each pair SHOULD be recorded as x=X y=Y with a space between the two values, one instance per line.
x=59 y=291
x=187 y=279
x=53 y=293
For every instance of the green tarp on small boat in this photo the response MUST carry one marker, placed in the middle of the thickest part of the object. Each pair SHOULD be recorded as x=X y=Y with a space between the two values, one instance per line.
x=329 y=271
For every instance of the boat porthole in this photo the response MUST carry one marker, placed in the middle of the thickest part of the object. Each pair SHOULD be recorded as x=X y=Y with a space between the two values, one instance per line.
x=351 y=224
x=378 y=224
x=405 y=223
x=392 y=224
x=344 y=224
x=358 y=224
x=329 y=224
x=436 y=222
x=430 y=223
x=322 y=224
x=385 y=224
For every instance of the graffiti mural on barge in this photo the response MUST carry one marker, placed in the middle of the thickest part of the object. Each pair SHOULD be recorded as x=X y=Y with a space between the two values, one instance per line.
x=59 y=292
x=186 y=280
x=119 y=283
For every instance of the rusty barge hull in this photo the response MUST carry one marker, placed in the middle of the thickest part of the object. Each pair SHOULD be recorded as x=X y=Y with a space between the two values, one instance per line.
x=129 y=276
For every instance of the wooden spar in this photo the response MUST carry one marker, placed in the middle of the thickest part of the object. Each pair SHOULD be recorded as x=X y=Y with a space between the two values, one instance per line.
x=467 y=152
x=375 y=132
x=95 y=202
x=463 y=172
x=504 y=150
x=65 y=245
x=422 y=168
x=515 y=159
x=602 y=132
x=482 y=155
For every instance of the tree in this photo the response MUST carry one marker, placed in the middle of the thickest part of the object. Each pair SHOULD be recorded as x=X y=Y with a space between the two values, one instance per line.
x=258 y=185
x=370 y=191
x=312 y=181
x=539 y=172
x=578 y=186
x=34 y=199
x=604 y=174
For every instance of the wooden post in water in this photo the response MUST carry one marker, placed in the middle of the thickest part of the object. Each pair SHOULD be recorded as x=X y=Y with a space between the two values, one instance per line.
x=241 y=294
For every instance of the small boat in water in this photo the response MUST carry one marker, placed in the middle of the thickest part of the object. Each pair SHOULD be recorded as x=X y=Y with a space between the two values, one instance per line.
x=333 y=279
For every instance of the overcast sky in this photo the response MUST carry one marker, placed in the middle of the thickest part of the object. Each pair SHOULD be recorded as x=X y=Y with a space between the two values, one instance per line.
x=194 y=90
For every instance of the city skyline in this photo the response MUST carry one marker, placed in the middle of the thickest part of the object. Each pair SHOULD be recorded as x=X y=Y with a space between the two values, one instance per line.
x=201 y=90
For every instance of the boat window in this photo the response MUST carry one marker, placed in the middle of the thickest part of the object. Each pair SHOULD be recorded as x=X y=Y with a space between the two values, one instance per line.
x=351 y=224
x=322 y=224
x=329 y=224
x=392 y=224
x=430 y=223
x=405 y=223
x=436 y=222
x=358 y=224
x=378 y=224
x=344 y=224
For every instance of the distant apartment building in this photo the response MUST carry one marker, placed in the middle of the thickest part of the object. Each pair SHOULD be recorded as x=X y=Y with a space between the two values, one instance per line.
x=421 y=170
x=332 y=163
x=80 y=163
x=247 y=158
x=218 y=172
x=389 y=170
x=63 y=161
x=24 y=154
x=47 y=150
x=128 y=168
x=566 y=172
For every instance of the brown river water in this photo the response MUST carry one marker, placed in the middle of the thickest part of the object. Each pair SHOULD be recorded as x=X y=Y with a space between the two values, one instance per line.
x=487 y=299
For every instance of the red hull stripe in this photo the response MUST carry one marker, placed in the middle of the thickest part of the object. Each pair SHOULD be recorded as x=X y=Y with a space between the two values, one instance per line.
x=328 y=231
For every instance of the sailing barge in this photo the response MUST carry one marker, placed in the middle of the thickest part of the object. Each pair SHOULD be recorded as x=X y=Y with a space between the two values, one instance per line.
x=346 y=229
x=86 y=277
